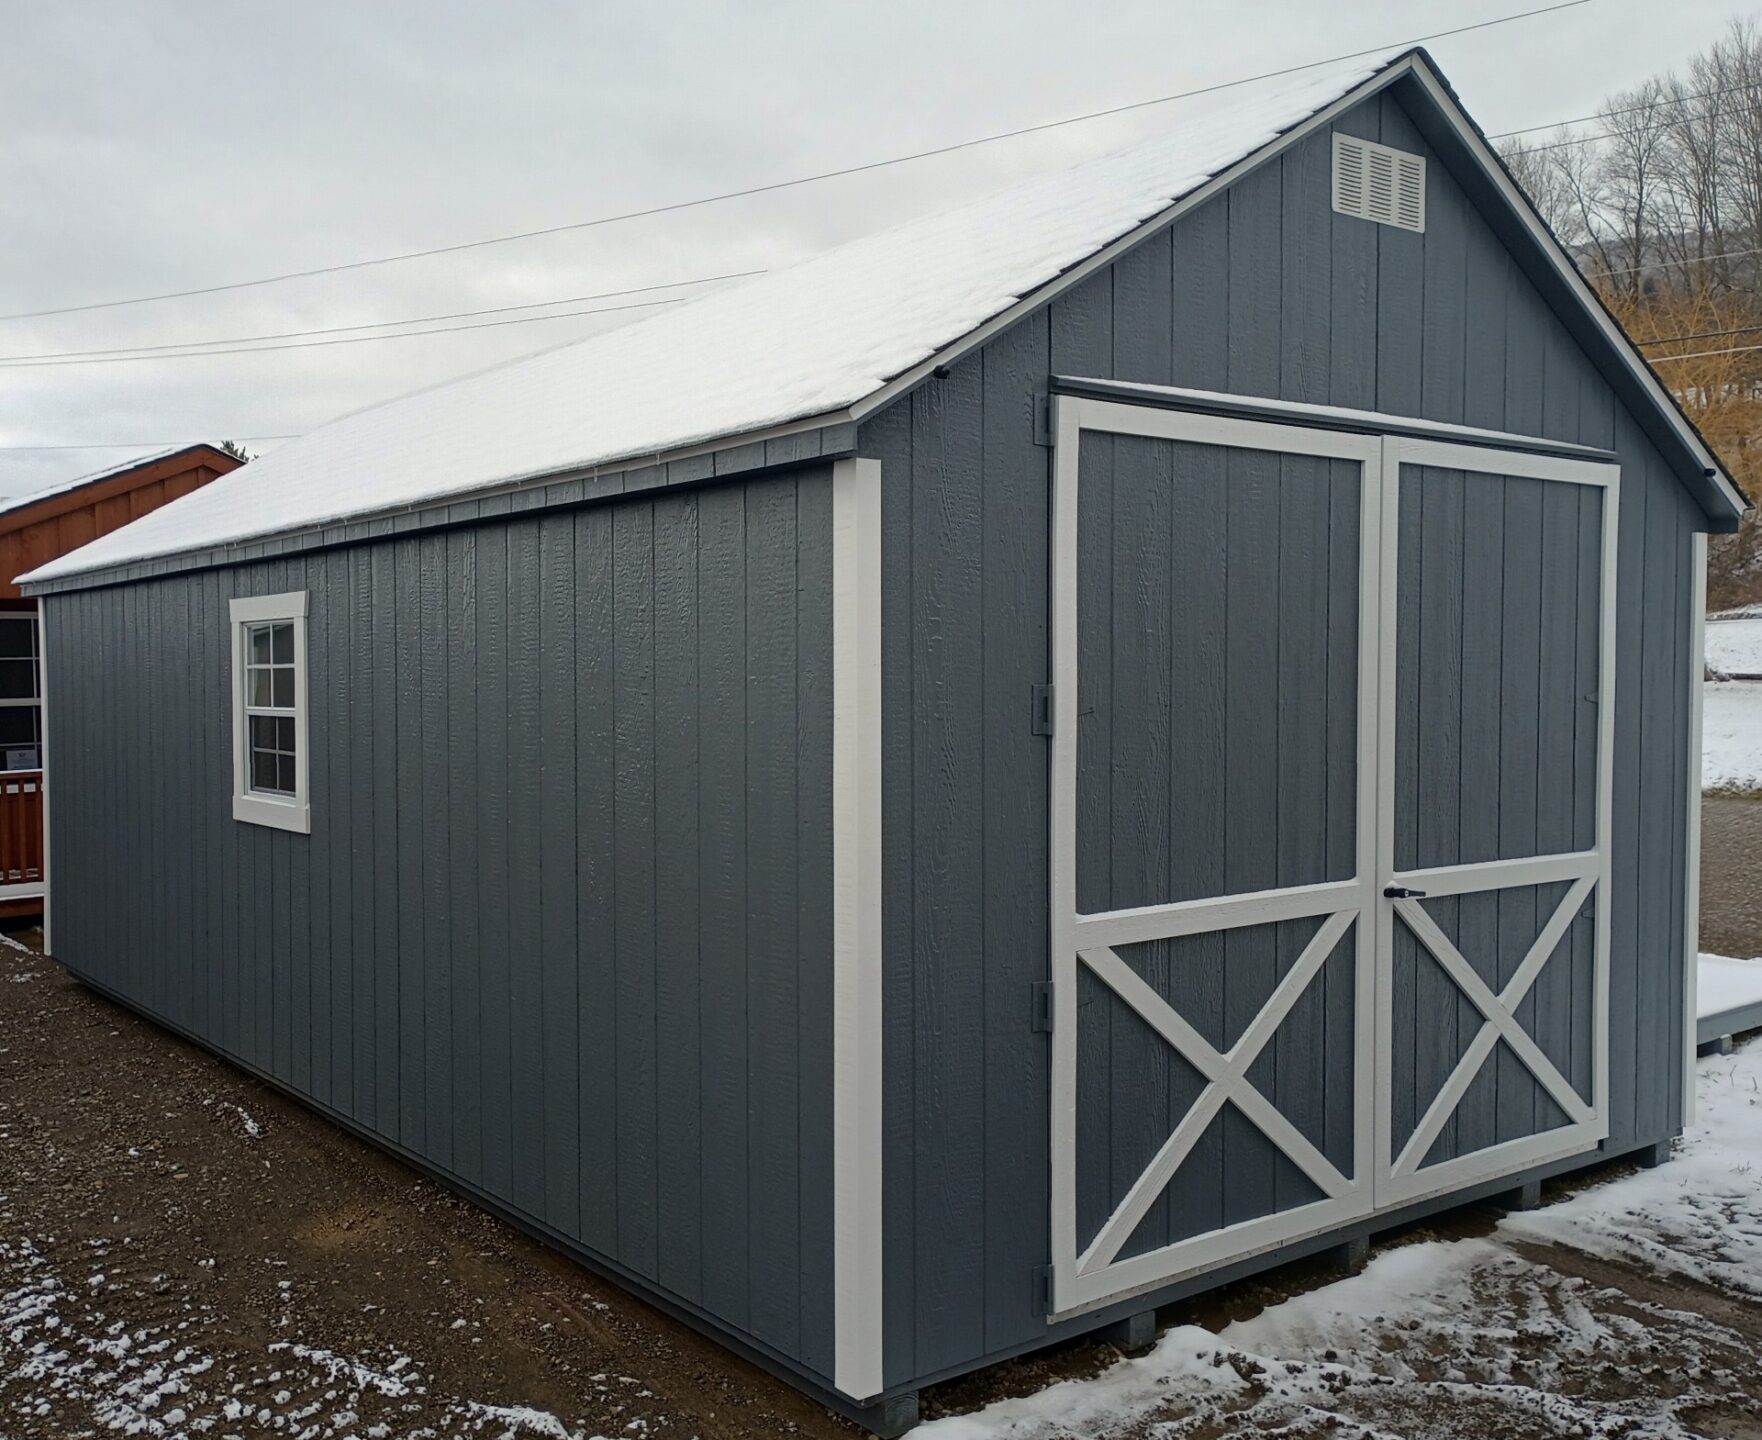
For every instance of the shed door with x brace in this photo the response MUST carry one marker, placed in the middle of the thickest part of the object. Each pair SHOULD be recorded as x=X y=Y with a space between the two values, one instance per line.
x=1329 y=840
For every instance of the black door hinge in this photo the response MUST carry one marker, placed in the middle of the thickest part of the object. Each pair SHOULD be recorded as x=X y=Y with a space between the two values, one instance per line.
x=1042 y=1012
x=1042 y=1283
x=1041 y=721
x=1043 y=420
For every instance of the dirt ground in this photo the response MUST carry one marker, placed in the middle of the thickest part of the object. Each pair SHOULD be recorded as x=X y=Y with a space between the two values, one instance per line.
x=183 y=1251
x=1731 y=875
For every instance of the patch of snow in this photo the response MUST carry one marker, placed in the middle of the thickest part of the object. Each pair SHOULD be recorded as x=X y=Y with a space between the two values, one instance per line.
x=1731 y=735
x=1725 y=984
x=252 y=1128
x=802 y=341
x=1734 y=645
x=1700 y=1215
x=517 y=1420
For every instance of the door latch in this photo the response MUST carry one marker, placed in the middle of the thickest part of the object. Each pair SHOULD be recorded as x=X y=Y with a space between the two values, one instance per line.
x=1401 y=892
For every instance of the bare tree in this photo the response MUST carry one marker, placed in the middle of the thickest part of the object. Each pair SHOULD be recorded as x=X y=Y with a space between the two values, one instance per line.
x=1661 y=202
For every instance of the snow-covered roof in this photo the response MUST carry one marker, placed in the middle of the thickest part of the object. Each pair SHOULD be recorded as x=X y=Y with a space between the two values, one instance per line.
x=61 y=487
x=800 y=342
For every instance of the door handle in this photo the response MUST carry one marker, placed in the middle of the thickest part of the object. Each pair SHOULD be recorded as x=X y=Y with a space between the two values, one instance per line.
x=1401 y=892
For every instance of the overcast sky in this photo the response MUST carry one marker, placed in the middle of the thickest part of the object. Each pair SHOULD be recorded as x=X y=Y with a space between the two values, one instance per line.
x=183 y=143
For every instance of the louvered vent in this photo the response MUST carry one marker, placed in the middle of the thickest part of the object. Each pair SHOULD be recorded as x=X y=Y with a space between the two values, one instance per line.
x=1374 y=182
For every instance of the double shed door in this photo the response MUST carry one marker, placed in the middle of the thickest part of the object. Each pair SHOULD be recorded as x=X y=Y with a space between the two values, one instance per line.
x=1330 y=829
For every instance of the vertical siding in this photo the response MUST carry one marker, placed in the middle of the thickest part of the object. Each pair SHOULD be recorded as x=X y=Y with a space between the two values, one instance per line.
x=562 y=925
x=1268 y=293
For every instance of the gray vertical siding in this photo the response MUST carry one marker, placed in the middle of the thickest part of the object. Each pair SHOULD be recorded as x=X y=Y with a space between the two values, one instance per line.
x=1262 y=291
x=562 y=925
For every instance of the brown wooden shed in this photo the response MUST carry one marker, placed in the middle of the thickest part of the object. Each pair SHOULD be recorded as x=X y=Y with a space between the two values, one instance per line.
x=35 y=529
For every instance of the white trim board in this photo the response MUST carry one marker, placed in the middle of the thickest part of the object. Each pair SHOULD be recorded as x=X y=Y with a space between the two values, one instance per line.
x=856 y=928
x=1691 y=910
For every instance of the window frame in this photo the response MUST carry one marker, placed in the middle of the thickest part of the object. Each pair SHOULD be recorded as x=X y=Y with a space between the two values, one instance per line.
x=256 y=807
x=35 y=700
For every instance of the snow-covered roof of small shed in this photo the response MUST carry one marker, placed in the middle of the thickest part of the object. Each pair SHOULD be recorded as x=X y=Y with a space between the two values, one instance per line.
x=799 y=342
x=10 y=503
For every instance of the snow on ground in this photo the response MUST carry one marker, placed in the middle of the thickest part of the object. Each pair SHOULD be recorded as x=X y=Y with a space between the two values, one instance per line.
x=67 y=1367
x=1734 y=643
x=1725 y=984
x=1476 y=1337
x=1731 y=735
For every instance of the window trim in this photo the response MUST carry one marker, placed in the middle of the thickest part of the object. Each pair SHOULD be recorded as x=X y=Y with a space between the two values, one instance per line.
x=254 y=807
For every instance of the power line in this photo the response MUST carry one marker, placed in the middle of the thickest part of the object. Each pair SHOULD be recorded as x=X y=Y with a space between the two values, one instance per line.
x=1666 y=264
x=111 y=358
x=784 y=184
x=1700 y=335
x=142 y=350
x=1706 y=354
x=1611 y=114
x=139 y=444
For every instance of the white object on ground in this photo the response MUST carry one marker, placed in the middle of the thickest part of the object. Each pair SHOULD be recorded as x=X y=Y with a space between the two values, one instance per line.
x=802 y=341
x=1726 y=984
x=1734 y=643
x=1731 y=735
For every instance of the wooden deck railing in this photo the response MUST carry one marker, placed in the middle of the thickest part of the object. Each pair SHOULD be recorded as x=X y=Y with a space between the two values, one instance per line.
x=21 y=827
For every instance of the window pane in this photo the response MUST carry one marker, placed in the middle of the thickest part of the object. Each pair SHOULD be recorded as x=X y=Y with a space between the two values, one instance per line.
x=262 y=770
x=284 y=686
x=259 y=644
x=17 y=637
x=263 y=732
x=18 y=680
x=285 y=772
x=257 y=688
x=284 y=734
x=18 y=726
x=284 y=642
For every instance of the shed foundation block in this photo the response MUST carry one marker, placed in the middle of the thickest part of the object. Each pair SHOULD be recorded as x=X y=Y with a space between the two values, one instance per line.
x=1134 y=1335
x=889 y=1418
x=1526 y=1196
x=1718 y=1046
x=1349 y=1258
x=1653 y=1155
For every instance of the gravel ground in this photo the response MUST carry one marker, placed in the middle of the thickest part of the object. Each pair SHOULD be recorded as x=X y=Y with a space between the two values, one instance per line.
x=1731 y=875
x=184 y=1251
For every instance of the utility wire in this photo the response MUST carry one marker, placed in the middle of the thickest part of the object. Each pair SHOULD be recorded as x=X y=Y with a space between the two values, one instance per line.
x=1700 y=335
x=1625 y=110
x=1666 y=264
x=116 y=359
x=785 y=184
x=139 y=444
x=143 y=350
x=1706 y=354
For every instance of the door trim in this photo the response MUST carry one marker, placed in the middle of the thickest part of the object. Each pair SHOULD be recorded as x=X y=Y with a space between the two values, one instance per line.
x=1090 y=1279
x=1398 y=1181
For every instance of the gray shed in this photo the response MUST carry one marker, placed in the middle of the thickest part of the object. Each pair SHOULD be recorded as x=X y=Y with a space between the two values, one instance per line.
x=952 y=794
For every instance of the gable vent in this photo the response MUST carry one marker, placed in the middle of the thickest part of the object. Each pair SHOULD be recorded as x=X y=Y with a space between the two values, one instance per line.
x=1374 y=182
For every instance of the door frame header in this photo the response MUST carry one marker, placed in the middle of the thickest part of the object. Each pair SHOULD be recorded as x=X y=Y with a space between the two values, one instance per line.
x=1316 y=417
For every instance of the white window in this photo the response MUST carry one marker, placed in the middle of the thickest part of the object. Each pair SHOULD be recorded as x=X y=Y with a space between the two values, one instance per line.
x=270 y=760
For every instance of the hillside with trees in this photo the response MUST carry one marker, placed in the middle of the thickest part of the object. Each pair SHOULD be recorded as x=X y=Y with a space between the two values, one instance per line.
x=1660 y=198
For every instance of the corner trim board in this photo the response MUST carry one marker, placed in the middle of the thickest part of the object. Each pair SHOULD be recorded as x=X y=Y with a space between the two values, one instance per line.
x=856 y=927
x=1691 y=863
